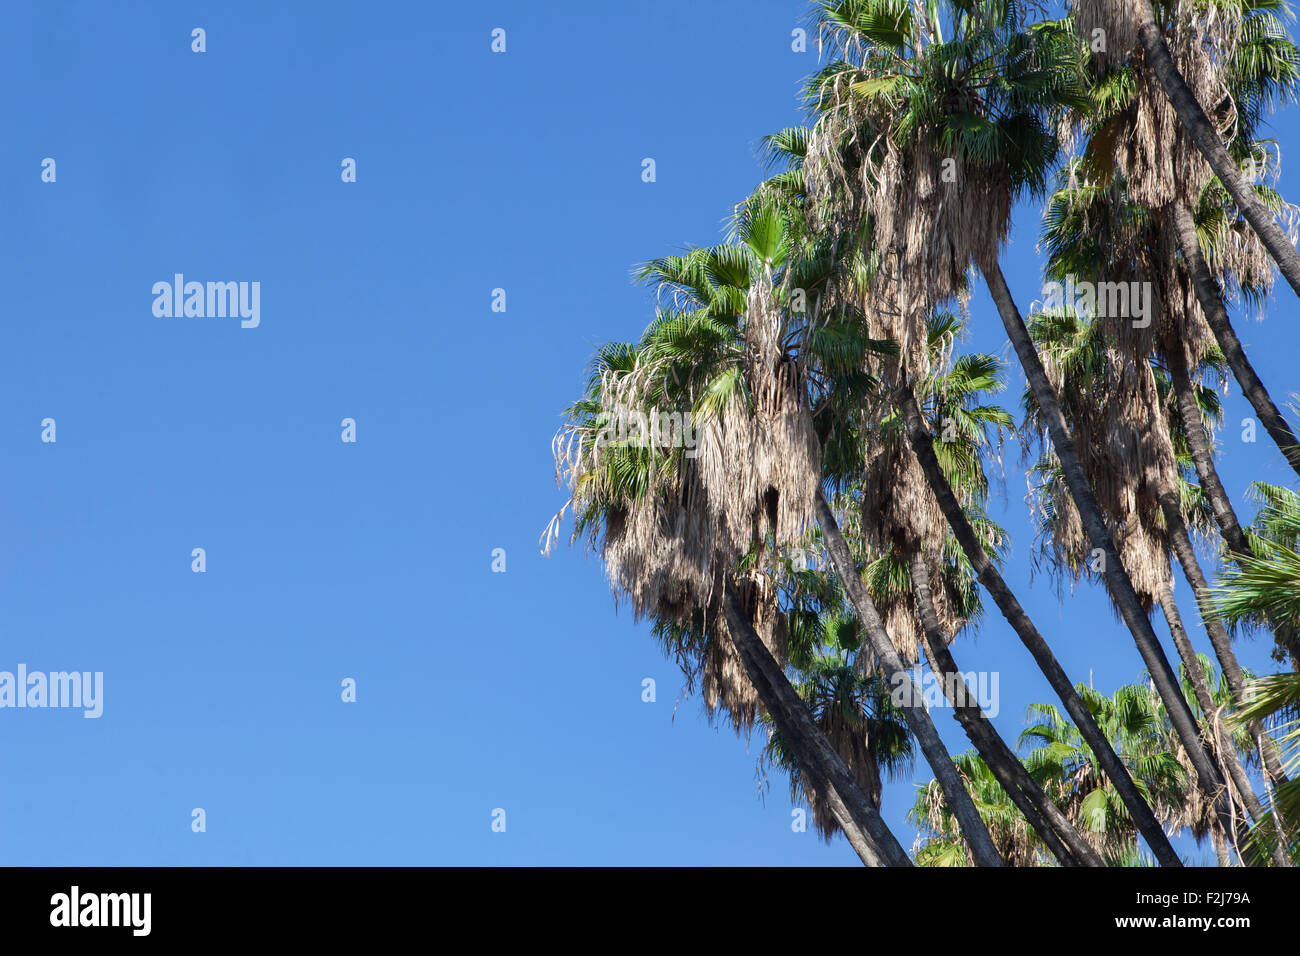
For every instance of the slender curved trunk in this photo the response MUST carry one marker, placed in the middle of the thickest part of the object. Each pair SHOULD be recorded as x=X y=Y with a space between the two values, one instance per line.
x=1207 y=473
x=1060 y=836
x=1118 y=582
x=918 y=720
x=989 y=576
x=1181 y=544
x=1206 y=138
x=817 y=759
x=1210 y=298
x=1186 y=652
x=1224 y=751
x=1225 y=516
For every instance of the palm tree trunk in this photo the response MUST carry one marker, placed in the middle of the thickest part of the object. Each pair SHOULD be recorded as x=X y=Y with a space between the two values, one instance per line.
x=1224 y=750
x=1211 y=300
x=1118 y=582
x=817 y=759
x=1207 y=473
x=1206 y=138
x=1225 y=517
x=991 y=578
x=1220 y=848
x=1057 y=833
x=1181 y=545
x=1189 y=411
x=918 y=720
x=1186 y=652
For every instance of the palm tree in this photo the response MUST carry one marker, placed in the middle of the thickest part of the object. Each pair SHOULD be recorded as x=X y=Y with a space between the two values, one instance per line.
x=922 y=444
x=748 y=472
x=1134 y=722
x=1137 y=725
x=897 y=517
x=1243 y=738
x=915 y=572
x=905 y=116
x=1245 y=61
x=678 y=273
x=1237 y=33
x=940 y=578
x=896 y=513
x=1133 y=719
x=1094 y=230
x=828 y=416
x=939 y=841
x=674 y=528
x=1123 y=434
x=1265 y=588
x=1276 y=699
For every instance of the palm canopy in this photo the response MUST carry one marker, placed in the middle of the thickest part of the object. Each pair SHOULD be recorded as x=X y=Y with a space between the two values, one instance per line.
x=1276 y=699
x=1236 y=59
x=1135 y=721
x=1132 y=718
x=928 y=122
x=897 y=515
x=672 y=521
x=1108 y=220
x=730 y=351
x=1130 y=442
x=939 y=841
x=1264 y=589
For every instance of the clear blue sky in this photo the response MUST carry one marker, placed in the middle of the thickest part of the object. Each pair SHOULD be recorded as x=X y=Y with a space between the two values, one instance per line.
x=372 y=560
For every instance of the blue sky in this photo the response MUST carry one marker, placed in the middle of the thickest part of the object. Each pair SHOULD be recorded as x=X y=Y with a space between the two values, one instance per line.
x=373 y=560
